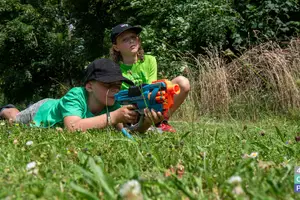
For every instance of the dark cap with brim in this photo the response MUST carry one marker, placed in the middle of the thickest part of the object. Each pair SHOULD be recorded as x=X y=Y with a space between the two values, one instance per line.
x=106 y=71
x=121 y=28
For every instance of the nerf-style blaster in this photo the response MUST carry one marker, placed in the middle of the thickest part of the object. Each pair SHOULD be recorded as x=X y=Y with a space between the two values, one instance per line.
x=159 y=95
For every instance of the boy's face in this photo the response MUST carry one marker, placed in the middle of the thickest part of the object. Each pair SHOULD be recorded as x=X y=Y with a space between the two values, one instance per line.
x=128 y=43
x=103 y=93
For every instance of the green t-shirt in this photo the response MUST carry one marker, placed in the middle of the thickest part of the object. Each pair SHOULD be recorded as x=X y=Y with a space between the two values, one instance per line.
x=140 y=72
x=74 y=103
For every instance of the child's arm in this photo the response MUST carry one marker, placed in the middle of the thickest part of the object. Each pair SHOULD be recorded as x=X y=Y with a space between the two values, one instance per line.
x=124 y=114
x=73 y=123
x=151 y=118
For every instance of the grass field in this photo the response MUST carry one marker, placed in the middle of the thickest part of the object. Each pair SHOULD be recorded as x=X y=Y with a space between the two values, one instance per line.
x=206 y=160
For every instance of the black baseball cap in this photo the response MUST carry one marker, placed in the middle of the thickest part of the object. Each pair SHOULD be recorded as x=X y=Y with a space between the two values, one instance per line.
x=106 y=71
x=117 y=30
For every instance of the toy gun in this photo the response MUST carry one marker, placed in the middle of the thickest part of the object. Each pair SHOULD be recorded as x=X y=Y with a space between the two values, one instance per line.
x=159 y=95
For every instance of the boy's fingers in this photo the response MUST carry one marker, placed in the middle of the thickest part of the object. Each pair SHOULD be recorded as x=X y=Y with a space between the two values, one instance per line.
x=154 y=115
x=132 y=113
x=130 y=107
x=146 y=111
x=159 y=115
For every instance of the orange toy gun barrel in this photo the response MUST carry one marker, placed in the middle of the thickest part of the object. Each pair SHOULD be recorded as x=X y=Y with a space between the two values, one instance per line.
x=166 y=97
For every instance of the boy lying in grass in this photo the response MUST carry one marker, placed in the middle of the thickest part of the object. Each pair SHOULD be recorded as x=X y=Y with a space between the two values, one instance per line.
x=88 y=107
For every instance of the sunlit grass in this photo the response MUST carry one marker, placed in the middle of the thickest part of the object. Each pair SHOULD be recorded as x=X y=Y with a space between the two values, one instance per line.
x=197 y=162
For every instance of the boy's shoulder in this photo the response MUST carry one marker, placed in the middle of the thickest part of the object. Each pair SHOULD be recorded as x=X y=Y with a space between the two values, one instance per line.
x=149 y=60
x=149 y=57
x=76 y=90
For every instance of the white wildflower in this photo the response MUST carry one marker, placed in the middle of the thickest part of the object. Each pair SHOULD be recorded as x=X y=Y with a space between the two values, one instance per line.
x=253 y=155
x=238 y=190
x=235 y=179
x=30 y=165
x=28 y=143
x=2 y=123
x=131 y=190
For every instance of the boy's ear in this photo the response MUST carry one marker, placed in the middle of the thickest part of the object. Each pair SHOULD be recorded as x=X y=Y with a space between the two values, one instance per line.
x=115 y=47
x=88 y=86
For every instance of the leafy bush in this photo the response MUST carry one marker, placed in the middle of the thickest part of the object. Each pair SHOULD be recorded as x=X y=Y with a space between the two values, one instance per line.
x=37 y=51
x=266 y=20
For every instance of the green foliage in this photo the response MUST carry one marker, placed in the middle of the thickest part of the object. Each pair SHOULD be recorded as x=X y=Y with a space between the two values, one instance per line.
x=90 y=18
x=188 y=25
x=37 y=51
x=266 y=20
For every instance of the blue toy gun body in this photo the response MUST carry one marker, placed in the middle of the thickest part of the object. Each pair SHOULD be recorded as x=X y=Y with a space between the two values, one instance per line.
x=158 y=96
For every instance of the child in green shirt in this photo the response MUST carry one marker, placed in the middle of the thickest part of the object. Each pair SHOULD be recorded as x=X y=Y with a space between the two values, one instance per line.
x=141 y=69
x=88 y=107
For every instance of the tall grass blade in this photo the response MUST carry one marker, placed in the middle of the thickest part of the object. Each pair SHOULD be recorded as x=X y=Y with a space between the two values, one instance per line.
x=84 y=192
x=101 y=178
x=180 y=186
x=280 y=134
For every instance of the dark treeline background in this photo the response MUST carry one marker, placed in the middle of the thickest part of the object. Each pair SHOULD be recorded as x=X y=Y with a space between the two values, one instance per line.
x=45 y=44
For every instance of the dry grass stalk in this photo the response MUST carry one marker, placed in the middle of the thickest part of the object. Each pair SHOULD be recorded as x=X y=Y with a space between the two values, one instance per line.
x=212 y=85
x=268 y=70
x=265 y=77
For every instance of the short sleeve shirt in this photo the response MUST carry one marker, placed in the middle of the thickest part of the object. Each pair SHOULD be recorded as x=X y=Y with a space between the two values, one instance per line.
x=74 y=103
x=141 y=72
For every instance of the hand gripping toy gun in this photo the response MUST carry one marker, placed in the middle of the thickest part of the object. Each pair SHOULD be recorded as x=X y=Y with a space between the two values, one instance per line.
x=159 y=95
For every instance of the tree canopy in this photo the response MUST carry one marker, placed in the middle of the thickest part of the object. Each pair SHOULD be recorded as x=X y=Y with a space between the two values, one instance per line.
x=46 y=44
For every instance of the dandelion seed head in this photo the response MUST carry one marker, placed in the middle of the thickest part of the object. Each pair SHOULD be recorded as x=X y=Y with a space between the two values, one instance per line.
x=235 y=179
x=131 y=188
